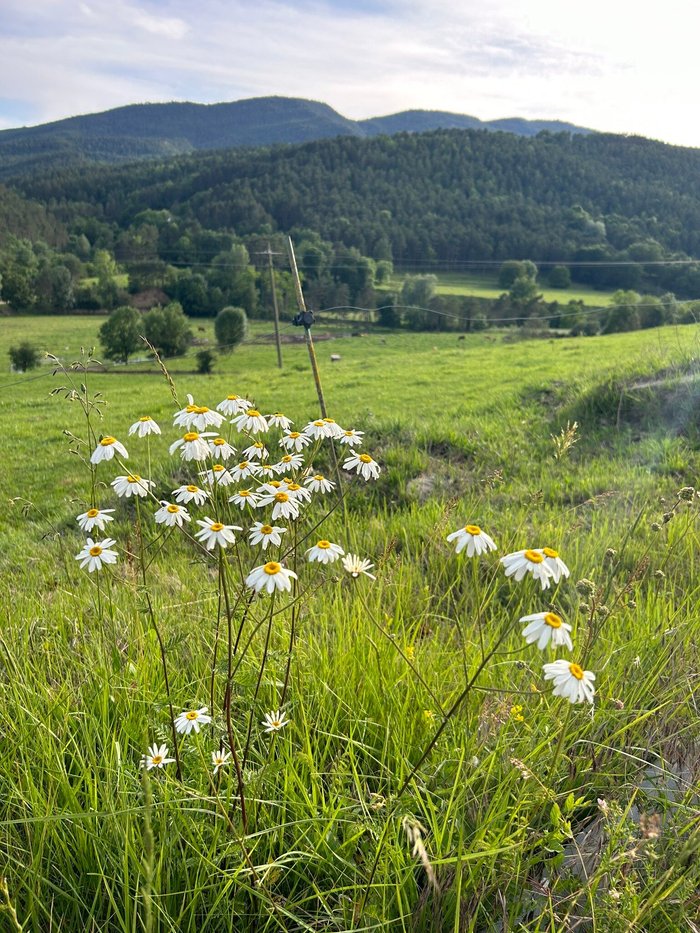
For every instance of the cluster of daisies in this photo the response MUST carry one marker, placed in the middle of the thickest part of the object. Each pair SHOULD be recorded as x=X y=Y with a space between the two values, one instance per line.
x=261 y=470
x=543 y=628
x=250 y=479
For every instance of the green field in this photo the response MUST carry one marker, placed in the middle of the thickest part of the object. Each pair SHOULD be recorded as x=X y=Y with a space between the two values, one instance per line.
x=482 y=285
x=412 y=699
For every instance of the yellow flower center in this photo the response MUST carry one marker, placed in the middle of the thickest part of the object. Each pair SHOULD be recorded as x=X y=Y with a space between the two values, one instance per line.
x=281 y=497
x=266 y=530
x=293 y=487
x=243 y=465
x=272 y=567
x=95 y=551
x=472 y=529
x=218 y=442
x=275 y=482
x=108 y=441
x=191 y=436
x=193 y=714
x=244 y=493
x=156 y=759
x=533 y=556
x=173 y=509
x=319 y=477
x=258 y=445
x=91 y=513
x=349 y=433
x=286 y=459
x=278 y=414
x=217 y=468
x=319 y=424
x=324 y=545
x=551 y=618
x=576 y=671
x=145 y=418
x=231 y=398
x=365 y=458
x=550 y=552
x=329 y=420
x=193 y=489
x=133 y=479
x=201 y=409
x=266 y=467
x=216 y=526
x=253 y=413
x=294 y=434
x=190 y=408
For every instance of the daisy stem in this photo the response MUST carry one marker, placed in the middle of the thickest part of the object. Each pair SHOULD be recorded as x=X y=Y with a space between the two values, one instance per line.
x=259 y=680
x=292 y=624
x=560 y=742
x=214 y=657
x=161 y=643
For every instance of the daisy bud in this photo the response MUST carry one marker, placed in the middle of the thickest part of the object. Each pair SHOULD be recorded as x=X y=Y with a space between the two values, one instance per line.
x=655 y=526
x=585 y=587
x=687 y=493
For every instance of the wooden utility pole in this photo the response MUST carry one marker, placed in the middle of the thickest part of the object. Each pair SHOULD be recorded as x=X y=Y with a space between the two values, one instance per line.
x=306 y=320
x=269 y=253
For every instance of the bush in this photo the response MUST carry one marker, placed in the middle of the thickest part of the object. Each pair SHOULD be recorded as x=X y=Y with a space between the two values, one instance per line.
x=120 y=335
x=168 y=329
x=205 y=362
x=24 y=356
x=230 y=327
x=559 y=277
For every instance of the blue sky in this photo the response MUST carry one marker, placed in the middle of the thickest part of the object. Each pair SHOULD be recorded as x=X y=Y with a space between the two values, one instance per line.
x=613 y=65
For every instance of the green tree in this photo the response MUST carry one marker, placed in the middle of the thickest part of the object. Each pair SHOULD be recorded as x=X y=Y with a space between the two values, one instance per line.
x=622 y=313
x=120 y=335
x=230 y=327
x=509 y=272
x=388 y=314
x=168 y=329
x=559 y=277
x=523 y=290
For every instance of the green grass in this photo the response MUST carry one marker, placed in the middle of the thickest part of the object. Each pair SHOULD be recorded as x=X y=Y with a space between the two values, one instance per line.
x=463 y=434
x=482 y=285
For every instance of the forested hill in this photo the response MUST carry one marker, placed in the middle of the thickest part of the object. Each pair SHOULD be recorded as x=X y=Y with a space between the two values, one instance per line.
x=162 y=130
x=447 y=195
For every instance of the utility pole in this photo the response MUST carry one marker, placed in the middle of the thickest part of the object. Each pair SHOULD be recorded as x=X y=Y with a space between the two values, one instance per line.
x=269 y=253
x=306 y=318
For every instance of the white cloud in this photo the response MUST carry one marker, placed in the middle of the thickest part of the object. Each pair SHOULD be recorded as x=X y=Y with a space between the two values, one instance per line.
x=614 y=66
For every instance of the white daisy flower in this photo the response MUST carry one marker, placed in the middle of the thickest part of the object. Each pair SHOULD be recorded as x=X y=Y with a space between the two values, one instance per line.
x=244 y=469
x=294 y=489
x=212 y=533
x=217 y=476
x=221 y=449
x=556 y=565
x=295 y=440
x=356 y=565
x=278 y=420
x=197 y=417
x=546 y=627
x=520 y=563
x=256 y=451
x=250 y=421
x=352 y=438
x=131 y=485
x=144 y=426
x=364 y=465
x=333 y=428
x=95 y=518
x=193 y=446
x=156 y=757
x=275 y=721
x=220 y=759
x=284 y=504
x=170 y=514
x=270 y=577
x=266 y=470
x=317 y=430
x=233 y=405
x=192 y=719
x=319 y=483
x=324 y=552
x=266 y=534
x=95 y=554
x=288 y=462
x=471 y=537
x=243 y=498
x=191 y=493
x=107 y=448
x=570 y=681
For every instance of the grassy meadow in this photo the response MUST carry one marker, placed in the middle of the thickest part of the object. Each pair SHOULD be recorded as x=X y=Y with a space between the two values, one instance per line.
x=428 y=779
x=485 y=285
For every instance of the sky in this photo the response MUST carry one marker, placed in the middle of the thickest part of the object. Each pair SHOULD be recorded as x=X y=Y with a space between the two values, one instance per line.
x=613 y=65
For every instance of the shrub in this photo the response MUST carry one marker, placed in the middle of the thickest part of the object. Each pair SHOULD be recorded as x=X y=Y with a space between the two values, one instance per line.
x=168 y=329
x=24 y=356
x=230 y=327
x=205 y=362
x=120 y=335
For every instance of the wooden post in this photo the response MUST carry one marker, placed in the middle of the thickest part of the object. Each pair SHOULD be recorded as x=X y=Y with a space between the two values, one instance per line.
x=307 y=330
x=269 y=253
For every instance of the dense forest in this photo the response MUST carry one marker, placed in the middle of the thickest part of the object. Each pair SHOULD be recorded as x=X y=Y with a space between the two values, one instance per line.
x=611 y=212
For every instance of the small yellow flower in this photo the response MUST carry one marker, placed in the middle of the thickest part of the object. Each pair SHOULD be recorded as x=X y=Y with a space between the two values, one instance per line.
x=517 y=713
x=428 y=715
x=410 y=652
